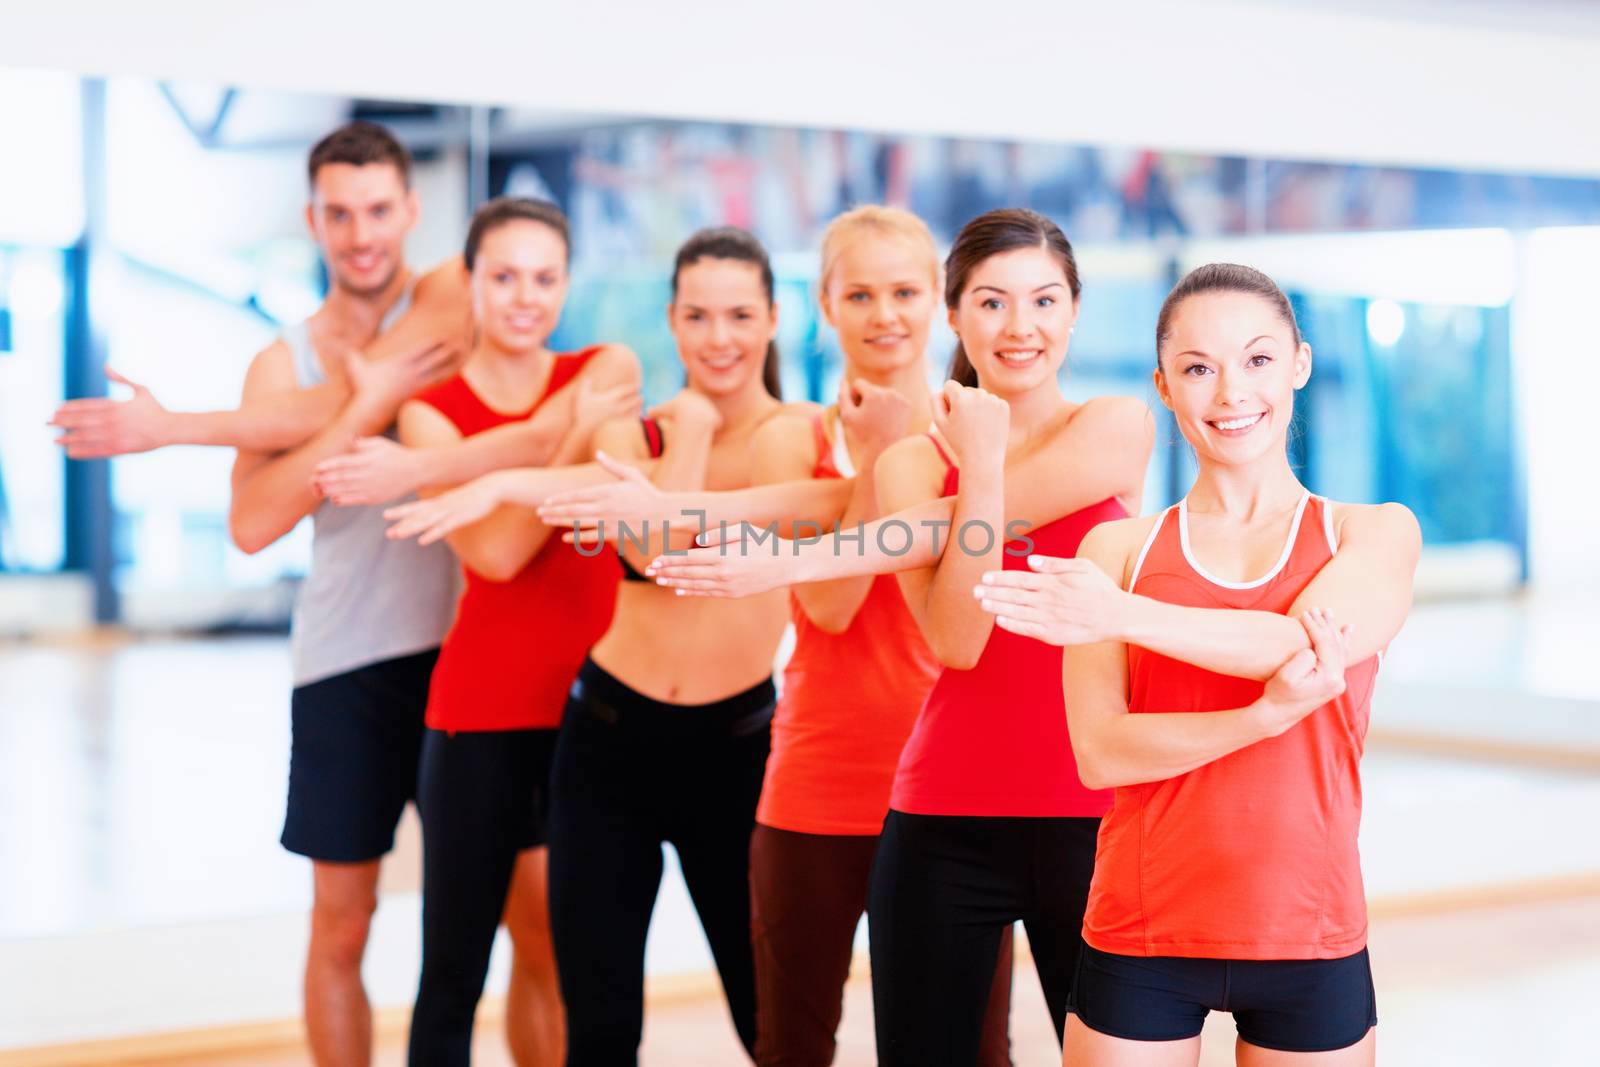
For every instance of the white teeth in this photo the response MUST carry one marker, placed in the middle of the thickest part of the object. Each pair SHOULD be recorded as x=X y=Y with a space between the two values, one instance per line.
x=1237 y=424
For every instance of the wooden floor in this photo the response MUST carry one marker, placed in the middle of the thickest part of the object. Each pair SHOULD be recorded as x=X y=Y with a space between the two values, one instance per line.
x=1506 y=986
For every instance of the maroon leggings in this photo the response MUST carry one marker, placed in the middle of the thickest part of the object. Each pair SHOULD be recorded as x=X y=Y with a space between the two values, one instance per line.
x=807 y=893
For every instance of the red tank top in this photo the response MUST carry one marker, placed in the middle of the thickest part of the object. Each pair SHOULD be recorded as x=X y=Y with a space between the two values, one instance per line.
x=1252 y=856
x=515 y=647
x=848 y=702
x=993 y=740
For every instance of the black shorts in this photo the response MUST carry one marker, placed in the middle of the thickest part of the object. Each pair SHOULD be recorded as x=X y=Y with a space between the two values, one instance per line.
x=1286 y=1005
x=353 y=760
x=488 y=784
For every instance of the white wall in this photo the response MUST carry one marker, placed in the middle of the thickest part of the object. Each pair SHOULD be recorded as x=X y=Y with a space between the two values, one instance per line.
x=1403 y=83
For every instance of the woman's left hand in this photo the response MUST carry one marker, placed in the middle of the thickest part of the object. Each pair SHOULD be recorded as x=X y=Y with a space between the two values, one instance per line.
x=1059 y=601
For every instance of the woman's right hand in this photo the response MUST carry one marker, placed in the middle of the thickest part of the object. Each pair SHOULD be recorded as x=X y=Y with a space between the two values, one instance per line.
x=727 y=565
x=1309 y=678
x=599 y=512
x=873 y=416
x=437 y=517
x=975 y=423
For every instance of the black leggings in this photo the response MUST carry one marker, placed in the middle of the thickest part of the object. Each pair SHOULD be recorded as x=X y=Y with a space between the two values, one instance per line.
x=482 y=800
x=630 y=774
x=943 y=889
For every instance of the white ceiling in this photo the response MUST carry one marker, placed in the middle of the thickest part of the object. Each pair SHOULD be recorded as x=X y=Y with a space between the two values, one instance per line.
x=1466 y=84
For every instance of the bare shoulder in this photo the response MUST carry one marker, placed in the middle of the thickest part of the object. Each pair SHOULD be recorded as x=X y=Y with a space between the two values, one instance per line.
x=622 y=438
x=805 y=409
x=613 y=360
x=1391 y=525
x=422 y=424
x=1115 y=545
x=1120 y=415
x=447 y=283
x=785 y=433
x=271 y=370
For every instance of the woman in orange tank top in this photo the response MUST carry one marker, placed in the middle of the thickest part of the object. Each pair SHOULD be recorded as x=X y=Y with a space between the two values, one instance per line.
x=1207 y=682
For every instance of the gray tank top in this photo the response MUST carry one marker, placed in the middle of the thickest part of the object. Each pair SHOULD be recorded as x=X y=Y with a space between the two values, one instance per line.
x=366 y=598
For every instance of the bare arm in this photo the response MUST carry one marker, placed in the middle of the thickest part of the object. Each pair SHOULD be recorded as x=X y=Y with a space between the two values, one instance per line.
x=1115 y=747
x=1102 y=454
x=1367 y=582
x=423 y=345
x=377 y=471
x=272 y=493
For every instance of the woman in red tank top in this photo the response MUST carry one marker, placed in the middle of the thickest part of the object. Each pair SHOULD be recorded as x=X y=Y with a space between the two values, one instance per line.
x=530 y=610
x=988 y=823
x=1207 y=683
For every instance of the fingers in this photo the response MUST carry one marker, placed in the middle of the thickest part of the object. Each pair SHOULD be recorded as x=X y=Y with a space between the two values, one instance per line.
x=113 y=376
x=1021 y=628
x=1059 y=565
x=1022 y=611
x=618 y=469
x=1298 y=667
x=1008 y=596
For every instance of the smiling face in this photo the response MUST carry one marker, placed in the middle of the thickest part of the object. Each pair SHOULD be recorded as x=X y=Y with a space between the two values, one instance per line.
x=359 y=216
x=1229 y=368
x=879 y=296
x=519 y=282
x=723 y=323
x=1014 y=318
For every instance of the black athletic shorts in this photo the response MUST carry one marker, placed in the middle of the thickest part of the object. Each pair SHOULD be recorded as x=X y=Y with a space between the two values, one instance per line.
x=353 y=761
x=1287 y=1005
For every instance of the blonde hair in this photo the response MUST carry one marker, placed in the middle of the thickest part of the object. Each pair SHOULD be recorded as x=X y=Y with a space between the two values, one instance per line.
x=875 y=219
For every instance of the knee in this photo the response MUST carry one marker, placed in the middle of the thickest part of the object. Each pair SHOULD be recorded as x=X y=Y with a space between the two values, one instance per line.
x=339 y=930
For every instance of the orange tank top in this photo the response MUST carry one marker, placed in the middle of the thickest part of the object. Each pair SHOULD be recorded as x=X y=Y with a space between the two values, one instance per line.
x=848 y=703
x=1252 y=856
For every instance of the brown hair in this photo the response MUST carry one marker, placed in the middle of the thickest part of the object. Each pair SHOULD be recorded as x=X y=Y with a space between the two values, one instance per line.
x=875 y=219
x=1223 y=278
x=360 y=144
x=990 y=234
x=506 y=209
x=730 y=242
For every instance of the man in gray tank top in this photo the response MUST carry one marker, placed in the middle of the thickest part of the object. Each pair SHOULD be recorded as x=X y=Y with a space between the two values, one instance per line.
x=371 y=612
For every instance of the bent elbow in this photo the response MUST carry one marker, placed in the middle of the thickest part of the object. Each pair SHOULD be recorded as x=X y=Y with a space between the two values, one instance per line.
x=958 y=656
x=1093 y=770
x=244 y=537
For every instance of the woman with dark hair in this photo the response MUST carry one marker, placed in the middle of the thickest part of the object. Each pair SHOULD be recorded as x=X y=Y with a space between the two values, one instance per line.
x=666 y=731
x=1208 y=684
x=988 y=821
x=493 y=707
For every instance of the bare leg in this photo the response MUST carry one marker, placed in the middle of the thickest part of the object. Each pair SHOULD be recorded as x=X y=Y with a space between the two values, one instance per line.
x=536 y=1028
x=1361 y=1054
x=1084 y=1047
x=338 y=1016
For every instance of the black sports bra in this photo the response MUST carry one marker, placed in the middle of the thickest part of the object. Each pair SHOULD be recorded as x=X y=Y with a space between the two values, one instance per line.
x=656 y=443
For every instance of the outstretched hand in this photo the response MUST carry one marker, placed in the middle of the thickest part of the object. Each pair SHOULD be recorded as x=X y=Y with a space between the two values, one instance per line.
x=98 y=427
x=376 y=470
x=1058 y=601
x=597 y=513
x=729 y=564
x=438 y=517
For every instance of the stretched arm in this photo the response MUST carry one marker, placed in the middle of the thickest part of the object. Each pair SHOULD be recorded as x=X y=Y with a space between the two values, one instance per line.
x=272 y=493
x=377 y=471
x=1368 y=582
x=424 y=345
x=1115 y=747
